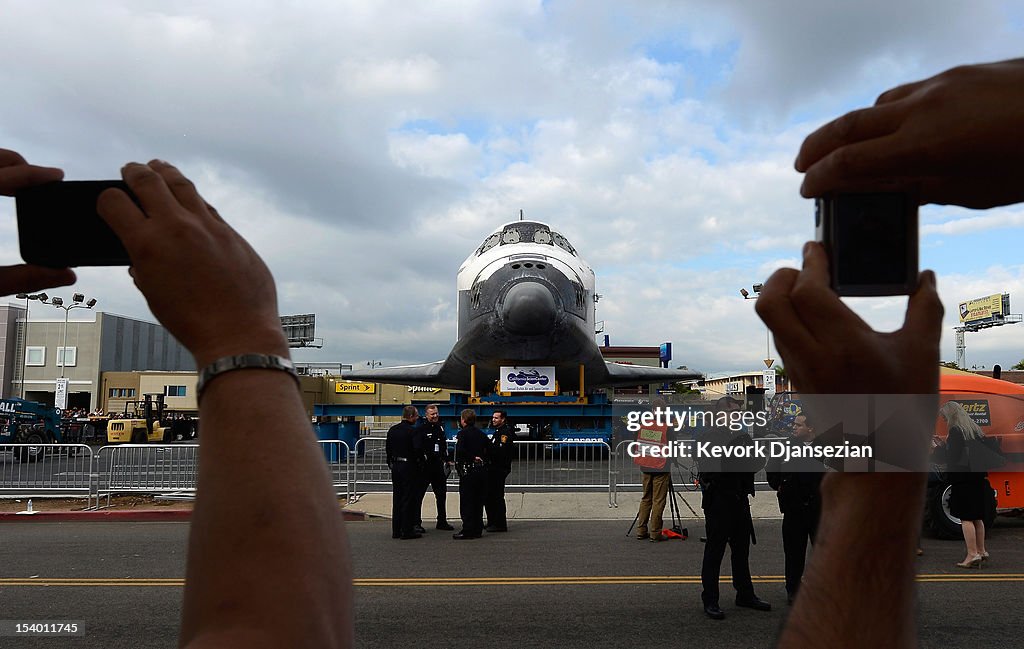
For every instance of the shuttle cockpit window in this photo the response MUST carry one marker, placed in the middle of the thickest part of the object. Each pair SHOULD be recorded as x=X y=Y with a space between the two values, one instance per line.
x=526 y=232
x=489 y=243
x=563 y=243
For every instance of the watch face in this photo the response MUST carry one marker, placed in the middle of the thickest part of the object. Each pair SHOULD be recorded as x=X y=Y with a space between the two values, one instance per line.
x=510 y=236
x=542 y=236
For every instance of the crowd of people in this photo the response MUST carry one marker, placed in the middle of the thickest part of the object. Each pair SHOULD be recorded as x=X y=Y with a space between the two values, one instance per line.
x=273 y=569
x=417 y=455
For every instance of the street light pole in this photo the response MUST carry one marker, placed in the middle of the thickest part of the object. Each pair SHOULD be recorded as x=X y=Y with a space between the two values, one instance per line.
x=373 y=364
x=768 y=334
x=77 y=302
x=42 y=297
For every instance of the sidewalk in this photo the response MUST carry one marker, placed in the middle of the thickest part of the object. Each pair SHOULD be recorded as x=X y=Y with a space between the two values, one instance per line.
x=563 y=505
x=552 y=506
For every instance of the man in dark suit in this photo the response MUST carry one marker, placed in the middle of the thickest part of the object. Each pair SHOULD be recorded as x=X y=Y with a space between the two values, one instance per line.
x=406 y=458
x=470 y=456
x=798 y=483
x=726 y=484
x=502 y=452
x=435 y=475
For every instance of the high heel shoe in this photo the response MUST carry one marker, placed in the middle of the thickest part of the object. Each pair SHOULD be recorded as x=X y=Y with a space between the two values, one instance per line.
x=974 y=562
x=984 y=557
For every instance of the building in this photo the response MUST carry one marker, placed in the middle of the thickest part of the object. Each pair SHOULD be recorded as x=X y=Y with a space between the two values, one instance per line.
x=34 y=354
x=1013 y=376
x=735 y=384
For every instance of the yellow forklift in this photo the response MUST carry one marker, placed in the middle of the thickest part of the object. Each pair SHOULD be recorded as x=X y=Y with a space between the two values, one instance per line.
x=141 y=422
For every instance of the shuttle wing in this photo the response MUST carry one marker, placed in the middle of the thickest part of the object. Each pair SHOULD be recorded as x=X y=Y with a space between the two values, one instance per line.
x=619 y=374
x=438 y=374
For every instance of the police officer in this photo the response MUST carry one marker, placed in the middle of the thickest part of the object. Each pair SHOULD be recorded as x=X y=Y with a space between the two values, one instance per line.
x=470 y=457
x=406 y=458
x=499 y=465
x=798 y=483
x=435 y=477
x=726 y=484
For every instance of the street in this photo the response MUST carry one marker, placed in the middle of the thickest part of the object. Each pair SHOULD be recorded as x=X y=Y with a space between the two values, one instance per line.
x=574 y=584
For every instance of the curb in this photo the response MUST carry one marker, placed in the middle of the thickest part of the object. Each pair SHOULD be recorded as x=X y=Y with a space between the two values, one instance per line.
x=101 y=515
x=128 y=516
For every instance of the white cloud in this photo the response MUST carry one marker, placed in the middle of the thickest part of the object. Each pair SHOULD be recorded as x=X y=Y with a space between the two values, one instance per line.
x=658 y=136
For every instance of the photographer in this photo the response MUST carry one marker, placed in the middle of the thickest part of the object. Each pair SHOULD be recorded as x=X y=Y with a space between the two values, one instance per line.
x=955 y=138
x=726 y=483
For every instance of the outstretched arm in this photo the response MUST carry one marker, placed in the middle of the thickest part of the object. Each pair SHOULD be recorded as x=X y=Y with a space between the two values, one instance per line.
x=858 y=589
x=268 y=561
x=957 y=138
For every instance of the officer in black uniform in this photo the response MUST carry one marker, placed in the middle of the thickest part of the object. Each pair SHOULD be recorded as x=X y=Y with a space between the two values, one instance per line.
x=798 y=483
x=435 y=476
x=726 y=484
x=470 y=458
x=405 y=456
x=499 y=465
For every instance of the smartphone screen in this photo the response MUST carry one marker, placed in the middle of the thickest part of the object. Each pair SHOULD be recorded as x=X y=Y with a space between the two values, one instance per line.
x=58 y=225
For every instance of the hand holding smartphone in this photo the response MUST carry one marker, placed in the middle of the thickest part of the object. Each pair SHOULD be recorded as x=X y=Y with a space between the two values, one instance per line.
x=59 y=227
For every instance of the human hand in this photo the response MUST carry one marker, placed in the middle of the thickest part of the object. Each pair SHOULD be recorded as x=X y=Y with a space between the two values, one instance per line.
x=201 y=279
x=16 y=174
x=956 y=138
x=828 y=349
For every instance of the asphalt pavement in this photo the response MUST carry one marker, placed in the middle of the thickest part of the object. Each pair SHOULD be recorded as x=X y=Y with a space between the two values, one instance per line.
x=545 y=583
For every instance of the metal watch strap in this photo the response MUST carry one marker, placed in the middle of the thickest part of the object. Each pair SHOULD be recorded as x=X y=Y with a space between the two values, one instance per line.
x=244 y=362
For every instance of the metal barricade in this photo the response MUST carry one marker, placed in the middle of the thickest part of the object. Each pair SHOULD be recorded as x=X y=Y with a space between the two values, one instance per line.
x=147 y=468
x=339 y=463
x=561 y=465
x=370 y=466
x=582 y=465
x=45 y=470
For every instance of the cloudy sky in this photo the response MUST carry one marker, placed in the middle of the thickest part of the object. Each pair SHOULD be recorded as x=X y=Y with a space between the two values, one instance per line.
x=366 y=148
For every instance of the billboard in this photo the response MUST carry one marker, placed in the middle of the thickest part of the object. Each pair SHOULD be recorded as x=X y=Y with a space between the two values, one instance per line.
x=983 y=308
x=299 y=329
x=527 y=379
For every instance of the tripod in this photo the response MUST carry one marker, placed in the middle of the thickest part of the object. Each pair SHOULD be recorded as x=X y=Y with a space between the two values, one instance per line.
x=673 y=502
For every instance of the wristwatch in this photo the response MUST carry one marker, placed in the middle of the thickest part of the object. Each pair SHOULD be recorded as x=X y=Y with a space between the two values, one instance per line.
x=244 y=362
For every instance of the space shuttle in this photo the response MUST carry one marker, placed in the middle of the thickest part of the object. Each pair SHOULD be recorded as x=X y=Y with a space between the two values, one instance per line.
x=526 y=299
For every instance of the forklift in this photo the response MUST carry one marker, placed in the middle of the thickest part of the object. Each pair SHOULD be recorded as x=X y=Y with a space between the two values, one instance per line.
x=142 y=424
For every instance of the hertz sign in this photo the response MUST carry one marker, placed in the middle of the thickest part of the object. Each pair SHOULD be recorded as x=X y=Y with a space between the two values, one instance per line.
x=354 y=388
x=978 y=410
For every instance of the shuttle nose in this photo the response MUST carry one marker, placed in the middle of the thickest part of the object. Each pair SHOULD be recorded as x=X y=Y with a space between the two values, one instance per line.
x=528 y=309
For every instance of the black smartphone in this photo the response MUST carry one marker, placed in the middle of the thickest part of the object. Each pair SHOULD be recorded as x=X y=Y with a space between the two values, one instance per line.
x=58 y=225
x=871 y=241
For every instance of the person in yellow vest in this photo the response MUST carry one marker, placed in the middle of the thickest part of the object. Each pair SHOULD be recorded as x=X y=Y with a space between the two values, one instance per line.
x=657 y=477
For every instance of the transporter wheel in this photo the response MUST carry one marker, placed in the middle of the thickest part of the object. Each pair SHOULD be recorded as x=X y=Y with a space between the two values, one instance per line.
x=938 y=522
x=138 y=437
x=32 y=453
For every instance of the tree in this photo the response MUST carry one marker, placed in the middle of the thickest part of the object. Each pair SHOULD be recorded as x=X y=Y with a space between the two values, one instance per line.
x=1019 y=365
x=950 y=364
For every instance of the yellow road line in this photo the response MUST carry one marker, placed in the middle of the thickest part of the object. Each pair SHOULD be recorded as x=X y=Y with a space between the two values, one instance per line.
x=398 y=582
